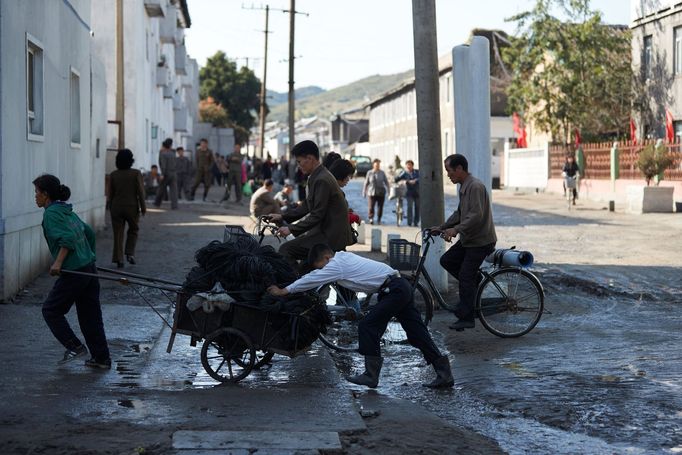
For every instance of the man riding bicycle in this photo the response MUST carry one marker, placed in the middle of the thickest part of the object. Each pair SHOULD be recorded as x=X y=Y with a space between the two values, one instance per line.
x=323 y=215
x=473 y=222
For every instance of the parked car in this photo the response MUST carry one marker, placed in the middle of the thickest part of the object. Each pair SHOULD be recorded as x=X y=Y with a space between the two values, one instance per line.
x=362 y=164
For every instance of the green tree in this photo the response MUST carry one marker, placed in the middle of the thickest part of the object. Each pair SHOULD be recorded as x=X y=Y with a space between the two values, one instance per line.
x=235 y=90
x=570 y=73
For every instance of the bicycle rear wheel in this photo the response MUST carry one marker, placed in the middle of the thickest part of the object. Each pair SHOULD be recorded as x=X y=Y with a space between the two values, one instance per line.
x=509 y=302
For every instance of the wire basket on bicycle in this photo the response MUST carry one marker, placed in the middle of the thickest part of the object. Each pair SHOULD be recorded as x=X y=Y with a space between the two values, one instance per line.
x=403 y=255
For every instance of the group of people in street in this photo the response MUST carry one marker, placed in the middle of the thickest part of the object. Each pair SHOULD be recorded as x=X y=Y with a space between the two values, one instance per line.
x=398 y=183
x=320 y=224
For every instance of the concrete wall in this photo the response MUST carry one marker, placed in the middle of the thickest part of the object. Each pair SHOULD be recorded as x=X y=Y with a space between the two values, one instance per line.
x=661 y=28
x=161 y=88
x=66 y=45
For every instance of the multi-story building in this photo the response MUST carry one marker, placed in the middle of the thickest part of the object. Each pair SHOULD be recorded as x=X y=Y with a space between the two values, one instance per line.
x=657 y=55
x=393 y=115
x=160 y=90
x=54 y=111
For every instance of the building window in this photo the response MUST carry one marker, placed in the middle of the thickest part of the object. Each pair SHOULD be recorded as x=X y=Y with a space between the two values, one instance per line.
x=677 y=50
x=677 y=126
x=75 y=95
x=447 y=89
x=447 y=144
x=646 y=55
x=34 y=88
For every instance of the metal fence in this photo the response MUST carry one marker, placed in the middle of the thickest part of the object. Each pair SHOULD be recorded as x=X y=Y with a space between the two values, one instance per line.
x=597 y=163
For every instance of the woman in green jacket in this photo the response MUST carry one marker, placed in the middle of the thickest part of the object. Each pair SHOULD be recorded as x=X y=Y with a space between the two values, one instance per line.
x=72 y=245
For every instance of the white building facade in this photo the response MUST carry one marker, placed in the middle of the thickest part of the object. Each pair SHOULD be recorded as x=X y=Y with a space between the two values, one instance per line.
x=53 y=98
x=160 y=82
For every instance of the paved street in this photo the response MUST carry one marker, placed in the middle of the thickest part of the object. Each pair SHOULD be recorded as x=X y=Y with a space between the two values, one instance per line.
x=600 y=373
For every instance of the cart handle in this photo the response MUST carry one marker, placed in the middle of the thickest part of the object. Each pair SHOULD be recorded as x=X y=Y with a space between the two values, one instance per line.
x=124 y=281
x=135 y=275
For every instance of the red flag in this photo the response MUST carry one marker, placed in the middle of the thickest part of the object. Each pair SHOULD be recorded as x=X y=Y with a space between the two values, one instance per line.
x=669 y=129
x=577 y=137
x=633 y=132
x=523 y=140
x=520 y=132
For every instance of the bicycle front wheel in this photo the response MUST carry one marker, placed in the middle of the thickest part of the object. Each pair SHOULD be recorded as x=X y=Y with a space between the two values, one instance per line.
x=509 y=302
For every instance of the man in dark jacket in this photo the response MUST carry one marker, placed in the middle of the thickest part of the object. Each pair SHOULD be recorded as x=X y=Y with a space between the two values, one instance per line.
x=169 y=177
x=411 y=177
x=323 y=215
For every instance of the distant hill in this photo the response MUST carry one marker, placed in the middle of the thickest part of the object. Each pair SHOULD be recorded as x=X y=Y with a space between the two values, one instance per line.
x=339 y=99
x=276 y=98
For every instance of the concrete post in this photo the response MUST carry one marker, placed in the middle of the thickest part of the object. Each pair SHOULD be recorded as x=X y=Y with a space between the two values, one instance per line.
x=615 y=167
x=362 y=233
x=376 y=240
x=471 y=76
x=432 y=207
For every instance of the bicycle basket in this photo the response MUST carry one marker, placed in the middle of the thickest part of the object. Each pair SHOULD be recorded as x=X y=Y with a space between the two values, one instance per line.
x=403 y=255
x=232 y=231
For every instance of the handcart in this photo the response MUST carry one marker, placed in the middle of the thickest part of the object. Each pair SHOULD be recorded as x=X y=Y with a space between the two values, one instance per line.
x=238 y=334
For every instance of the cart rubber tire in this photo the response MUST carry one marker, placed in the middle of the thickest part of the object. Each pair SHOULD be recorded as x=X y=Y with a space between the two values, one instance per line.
x=228 y=355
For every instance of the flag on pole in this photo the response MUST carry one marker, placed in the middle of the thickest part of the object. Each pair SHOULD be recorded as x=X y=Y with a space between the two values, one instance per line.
x=669 y=128
x=577 y=137
x=633 y=132
x=520 y=132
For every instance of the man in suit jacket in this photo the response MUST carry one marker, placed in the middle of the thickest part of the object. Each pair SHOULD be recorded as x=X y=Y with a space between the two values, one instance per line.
x=322 y=216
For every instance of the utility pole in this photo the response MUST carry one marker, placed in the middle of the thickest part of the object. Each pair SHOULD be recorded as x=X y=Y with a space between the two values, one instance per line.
x=432 y=206
x=262 y=87
x=120 y=89
x=292 y=100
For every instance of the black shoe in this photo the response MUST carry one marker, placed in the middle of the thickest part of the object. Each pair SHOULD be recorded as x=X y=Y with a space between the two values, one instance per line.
x=119 y=265
x=131 y=260
x=73 y=354
x=462 y=324
x=94 y=363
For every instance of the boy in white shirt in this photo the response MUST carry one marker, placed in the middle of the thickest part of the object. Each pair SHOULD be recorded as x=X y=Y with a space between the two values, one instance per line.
x=396 y=299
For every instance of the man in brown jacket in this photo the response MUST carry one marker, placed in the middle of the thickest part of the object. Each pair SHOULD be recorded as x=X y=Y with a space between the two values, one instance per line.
x=473 y=222
x=203 y=170
x=322 y=216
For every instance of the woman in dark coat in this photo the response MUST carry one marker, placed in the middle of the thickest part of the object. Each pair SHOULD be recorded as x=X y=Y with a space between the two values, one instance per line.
x=125 y=200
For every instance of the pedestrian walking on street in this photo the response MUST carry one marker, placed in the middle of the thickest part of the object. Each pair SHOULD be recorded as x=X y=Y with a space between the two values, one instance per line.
x=169 y=176
x=411 y=177
x=375 y=189
x=152 y=181
x=203 y=172
x=184 y=171
x=125 y=201
x=473 y=222
x=234 y=176
x=396 y=300
x=72 y=245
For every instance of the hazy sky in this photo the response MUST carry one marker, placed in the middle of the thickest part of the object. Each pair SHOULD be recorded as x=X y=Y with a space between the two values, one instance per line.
x=344 y=40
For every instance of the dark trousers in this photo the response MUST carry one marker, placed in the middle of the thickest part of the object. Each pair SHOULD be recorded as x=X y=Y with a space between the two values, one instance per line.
x=397 y=303
x=84 y=292
x=379 y=201
x=168 y=183
x=463 y=263
x=201 y=176
x=120 y=215
x=233 y=179
x=298 y=248
x=183 y=185
x=412 y=211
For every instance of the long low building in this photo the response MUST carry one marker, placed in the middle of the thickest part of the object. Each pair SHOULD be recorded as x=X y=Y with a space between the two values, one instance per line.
x=393 y=115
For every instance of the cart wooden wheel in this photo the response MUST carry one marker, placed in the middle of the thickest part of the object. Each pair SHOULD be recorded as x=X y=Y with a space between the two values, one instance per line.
x=228 y=355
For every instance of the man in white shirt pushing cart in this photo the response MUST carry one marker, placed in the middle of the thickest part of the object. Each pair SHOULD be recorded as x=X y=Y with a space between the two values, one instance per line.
x=395 y=299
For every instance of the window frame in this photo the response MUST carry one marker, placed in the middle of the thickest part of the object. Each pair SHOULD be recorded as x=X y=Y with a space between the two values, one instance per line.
x=677 y=50
x=32 y=44
x=76 y=145
x=647 y=54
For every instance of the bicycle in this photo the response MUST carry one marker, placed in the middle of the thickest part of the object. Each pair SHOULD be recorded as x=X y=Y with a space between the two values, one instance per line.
x=509 y=300
x=399 y=191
